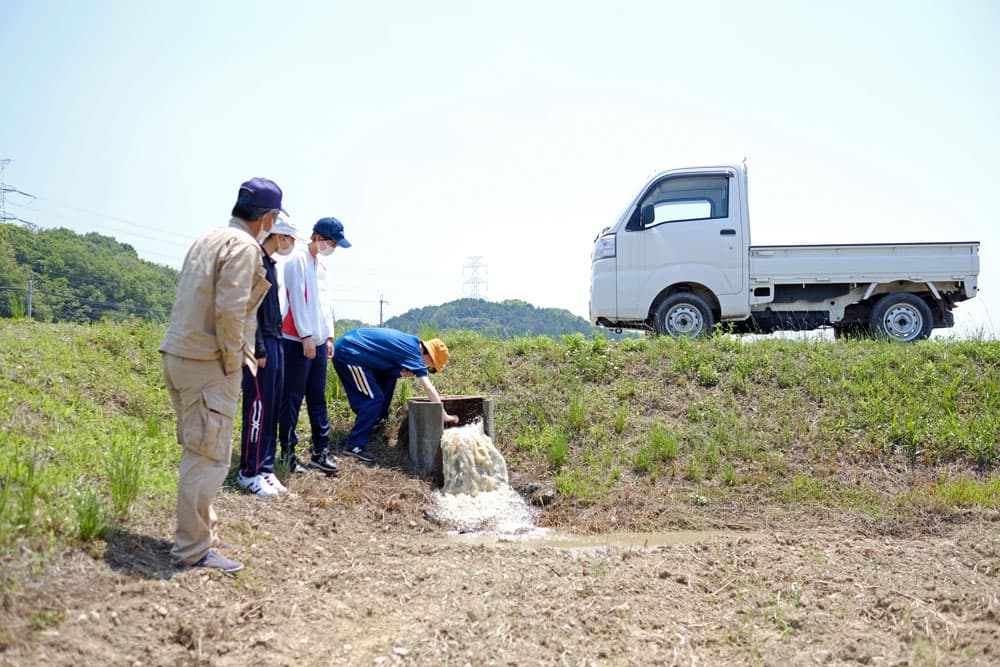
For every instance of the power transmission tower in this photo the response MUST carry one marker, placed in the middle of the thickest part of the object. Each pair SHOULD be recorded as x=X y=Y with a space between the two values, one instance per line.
x=471 y=277
x=4 y=191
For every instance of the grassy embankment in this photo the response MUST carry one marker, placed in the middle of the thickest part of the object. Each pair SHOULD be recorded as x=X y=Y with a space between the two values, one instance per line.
x=630 y=429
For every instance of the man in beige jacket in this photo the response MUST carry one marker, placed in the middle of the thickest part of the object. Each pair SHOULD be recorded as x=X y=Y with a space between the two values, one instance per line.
x=209 y=339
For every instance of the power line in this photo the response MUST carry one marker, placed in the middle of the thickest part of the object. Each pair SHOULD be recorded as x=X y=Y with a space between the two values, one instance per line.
x=168 y=239
x=107 y=305
x=5 y=190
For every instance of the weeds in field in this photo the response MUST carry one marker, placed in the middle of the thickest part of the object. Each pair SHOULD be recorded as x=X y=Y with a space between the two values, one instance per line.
x=493 y=370
x=694 y=470
x=625 y=390
x=659 y=448
x=404 y=391
x=46 y=618
x=18 y=305
x=428 y=331
x=964 y=492
x=620 y=419
x=580 y=413
x=708 y=376
x=555 y=445
x=124 y=465
x=577 y=413
x=592 y=358
x=575 y=484
x=18 y=497
x=90 y=517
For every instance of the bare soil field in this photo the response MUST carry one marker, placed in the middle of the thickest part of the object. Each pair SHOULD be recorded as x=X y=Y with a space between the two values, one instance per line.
x=354 y=571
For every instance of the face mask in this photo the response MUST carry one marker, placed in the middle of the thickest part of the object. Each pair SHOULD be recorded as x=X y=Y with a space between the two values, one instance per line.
x=285 y=250
x=265 y=230
x=327 y=249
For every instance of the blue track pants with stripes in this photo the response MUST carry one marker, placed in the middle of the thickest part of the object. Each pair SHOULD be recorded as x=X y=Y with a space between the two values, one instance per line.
x=369 y=393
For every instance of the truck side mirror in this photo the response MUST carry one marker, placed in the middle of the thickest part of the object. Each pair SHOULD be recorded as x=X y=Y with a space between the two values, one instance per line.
x=646 y=215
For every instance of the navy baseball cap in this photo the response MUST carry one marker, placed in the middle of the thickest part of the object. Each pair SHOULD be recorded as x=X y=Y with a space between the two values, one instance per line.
x=264 y=193
x=332 y=229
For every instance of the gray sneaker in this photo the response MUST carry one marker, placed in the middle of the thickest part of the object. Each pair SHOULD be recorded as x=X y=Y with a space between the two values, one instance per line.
x=359 y=453
x=216 y=560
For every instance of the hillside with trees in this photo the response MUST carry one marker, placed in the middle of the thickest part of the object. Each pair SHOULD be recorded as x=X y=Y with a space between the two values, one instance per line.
x=79 y=278
x=501 y=319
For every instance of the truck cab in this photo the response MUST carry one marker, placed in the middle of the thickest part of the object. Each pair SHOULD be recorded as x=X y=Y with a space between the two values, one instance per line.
x=686 y=230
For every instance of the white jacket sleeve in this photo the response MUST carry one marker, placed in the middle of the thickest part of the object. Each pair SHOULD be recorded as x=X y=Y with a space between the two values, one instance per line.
x=295 y=284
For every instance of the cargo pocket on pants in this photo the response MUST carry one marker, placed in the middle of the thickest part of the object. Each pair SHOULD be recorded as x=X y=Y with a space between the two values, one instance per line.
x=218 y=413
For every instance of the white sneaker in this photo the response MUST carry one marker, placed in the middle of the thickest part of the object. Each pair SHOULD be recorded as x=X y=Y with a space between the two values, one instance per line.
x=273 y=480
x=258 y=485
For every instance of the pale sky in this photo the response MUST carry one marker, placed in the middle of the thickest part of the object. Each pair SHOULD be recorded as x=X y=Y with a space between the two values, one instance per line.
x=511 y=131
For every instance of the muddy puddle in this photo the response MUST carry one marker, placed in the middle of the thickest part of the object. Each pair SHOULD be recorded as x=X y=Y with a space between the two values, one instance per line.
x=541 y=538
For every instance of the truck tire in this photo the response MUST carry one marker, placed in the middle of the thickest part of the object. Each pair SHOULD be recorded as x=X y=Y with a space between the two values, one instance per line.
x=902 y=317
x=683 y=314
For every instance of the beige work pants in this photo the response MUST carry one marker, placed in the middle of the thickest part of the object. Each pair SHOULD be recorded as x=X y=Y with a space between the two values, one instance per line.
x=205 y=400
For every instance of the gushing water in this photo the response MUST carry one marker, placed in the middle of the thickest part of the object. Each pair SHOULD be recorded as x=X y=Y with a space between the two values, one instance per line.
x=476 y=496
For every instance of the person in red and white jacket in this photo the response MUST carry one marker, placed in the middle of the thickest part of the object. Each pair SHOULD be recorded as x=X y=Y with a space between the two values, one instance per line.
x=307 y=337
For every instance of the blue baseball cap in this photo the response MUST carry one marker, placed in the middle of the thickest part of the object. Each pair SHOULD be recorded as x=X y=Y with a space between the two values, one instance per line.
x=332 y=229
x=264 y=193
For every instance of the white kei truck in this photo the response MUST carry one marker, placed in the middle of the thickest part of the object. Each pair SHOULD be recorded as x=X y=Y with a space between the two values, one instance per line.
x=679 y=260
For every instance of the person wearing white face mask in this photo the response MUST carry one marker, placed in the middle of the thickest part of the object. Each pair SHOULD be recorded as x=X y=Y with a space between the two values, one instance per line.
x=307 y=332
x=209 y=339
x=262 y=392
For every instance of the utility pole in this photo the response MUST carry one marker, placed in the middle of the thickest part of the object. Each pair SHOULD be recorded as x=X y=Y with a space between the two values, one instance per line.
x=381 y=302
x=471 y=269
x=31 y=285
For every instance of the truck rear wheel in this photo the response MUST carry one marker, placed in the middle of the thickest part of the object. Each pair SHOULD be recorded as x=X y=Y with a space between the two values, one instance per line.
x=683 y=314
x=902 y=317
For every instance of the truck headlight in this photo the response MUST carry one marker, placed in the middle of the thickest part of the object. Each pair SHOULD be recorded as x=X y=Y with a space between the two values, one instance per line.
x=604 y=247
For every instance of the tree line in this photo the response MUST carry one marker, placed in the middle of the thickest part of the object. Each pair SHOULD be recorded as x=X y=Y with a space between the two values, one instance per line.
x=79 y=278
x=91 y=277
x=501 y=319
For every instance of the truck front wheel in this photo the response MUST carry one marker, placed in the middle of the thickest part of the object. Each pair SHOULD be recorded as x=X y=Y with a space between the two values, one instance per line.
x=902 y=317
x=683 y=314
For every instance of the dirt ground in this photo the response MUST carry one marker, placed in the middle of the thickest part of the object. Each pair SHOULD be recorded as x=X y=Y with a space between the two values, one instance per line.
x=353 y=571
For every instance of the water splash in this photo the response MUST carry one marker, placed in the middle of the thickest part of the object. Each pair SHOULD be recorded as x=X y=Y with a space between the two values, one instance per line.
x=476 y=496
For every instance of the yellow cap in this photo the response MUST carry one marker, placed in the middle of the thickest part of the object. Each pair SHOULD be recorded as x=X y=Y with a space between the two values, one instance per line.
x=438 y=351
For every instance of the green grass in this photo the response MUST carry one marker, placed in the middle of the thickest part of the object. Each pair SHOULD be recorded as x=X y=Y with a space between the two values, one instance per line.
x=125 y=466
x=645 y=420
x=90 y=516
x=661 y=447
x=964 y=492
x=74 y=400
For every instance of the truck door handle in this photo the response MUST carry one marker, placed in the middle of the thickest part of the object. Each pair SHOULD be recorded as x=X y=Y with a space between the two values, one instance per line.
x=727 y=232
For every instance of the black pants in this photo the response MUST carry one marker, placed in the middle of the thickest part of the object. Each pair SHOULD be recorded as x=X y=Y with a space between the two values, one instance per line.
x=304 y=378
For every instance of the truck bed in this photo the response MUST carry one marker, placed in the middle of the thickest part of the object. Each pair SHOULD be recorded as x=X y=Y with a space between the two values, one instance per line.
x=866 y=263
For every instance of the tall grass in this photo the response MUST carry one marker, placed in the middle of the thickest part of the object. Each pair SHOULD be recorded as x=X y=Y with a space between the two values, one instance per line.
x=659 y=448
x=20 y=484
x=125 y=468
x=90 y=517
x=18 y=305
x=87 y=388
